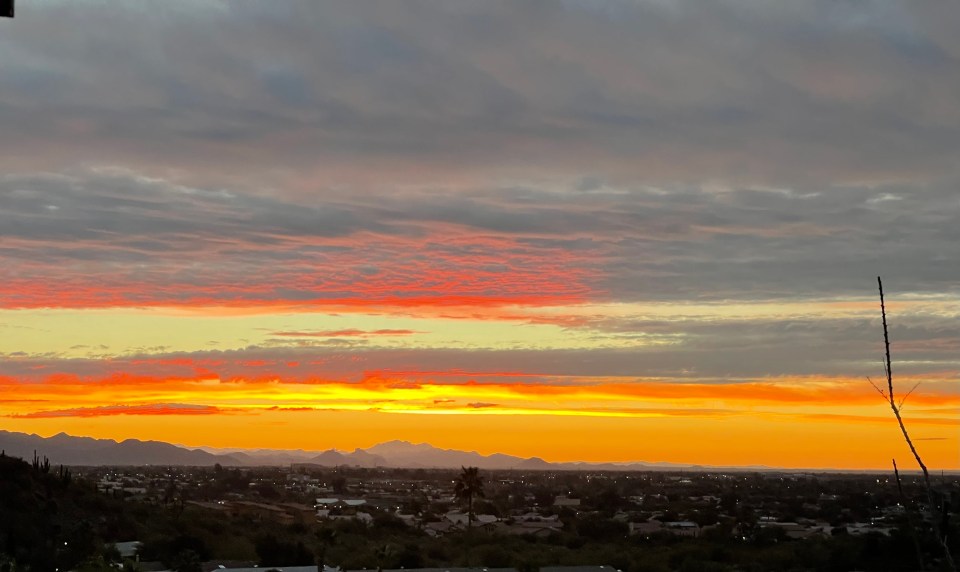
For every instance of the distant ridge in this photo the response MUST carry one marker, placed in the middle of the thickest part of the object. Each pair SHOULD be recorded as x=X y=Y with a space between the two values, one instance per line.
x=358 y=458
x=69 y=450
x=63 y=449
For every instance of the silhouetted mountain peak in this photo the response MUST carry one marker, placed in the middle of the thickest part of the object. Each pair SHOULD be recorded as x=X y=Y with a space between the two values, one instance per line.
x=397 y=447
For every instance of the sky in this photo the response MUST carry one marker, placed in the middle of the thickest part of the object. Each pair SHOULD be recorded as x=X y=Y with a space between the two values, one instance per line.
x=601 y=230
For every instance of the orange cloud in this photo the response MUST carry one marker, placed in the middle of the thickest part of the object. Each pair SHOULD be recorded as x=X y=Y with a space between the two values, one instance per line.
x=509 y=390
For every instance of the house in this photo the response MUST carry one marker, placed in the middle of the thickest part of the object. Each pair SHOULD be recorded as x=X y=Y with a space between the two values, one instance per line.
x=334 y=508
x=682 y=528
x=128 y=549
x=530 y=528
x=364 y=517
x=536 y=517
x=577 y=569
x=542 y=569
x=408 y=519
x=645 y=528
x=260 y=511
x=565 y=501
x=300 y=512
x=217 y=506
x=793 y=529
x=440 y=528
x=859 y=528
x=279 y=569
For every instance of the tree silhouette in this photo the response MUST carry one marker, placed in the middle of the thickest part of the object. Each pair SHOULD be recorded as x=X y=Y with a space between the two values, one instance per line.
x=383 y=554
x=186 y=561
x=469 y=486
x=326 y=537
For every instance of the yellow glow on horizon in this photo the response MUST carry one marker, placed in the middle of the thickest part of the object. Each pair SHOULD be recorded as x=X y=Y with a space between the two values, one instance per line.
x=129 y=331
x=738 y=441
x=98 y=333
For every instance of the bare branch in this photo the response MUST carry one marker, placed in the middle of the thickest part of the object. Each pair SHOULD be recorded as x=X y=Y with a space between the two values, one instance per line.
x=904 y=398
x=877 y=387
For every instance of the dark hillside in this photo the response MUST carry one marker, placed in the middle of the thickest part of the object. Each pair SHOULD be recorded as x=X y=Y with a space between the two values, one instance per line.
x=50 y=521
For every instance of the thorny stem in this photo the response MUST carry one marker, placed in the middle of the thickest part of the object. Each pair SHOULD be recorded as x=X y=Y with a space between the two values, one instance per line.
x=893 y=404
x=906 y=508
x=903 y=428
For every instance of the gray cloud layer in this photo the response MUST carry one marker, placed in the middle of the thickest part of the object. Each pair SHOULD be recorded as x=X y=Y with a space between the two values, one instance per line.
x=656 y=91
x=646 y=244
x=691 y=150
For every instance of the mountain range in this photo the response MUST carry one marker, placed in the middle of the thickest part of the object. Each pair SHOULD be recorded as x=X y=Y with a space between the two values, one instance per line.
x=69 y=450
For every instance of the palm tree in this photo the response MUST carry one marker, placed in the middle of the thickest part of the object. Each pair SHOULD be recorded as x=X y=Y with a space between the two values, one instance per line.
x=469 y=485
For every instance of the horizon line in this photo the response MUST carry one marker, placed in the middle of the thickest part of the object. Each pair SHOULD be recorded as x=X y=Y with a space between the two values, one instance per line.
x=658 y=466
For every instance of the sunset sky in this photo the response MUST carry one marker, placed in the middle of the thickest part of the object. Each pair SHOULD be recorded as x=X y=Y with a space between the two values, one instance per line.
x=587 y=230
